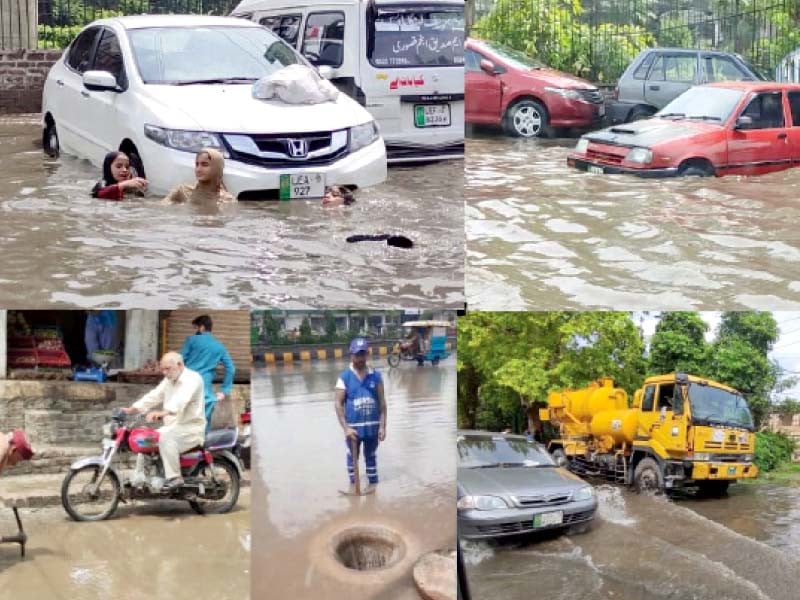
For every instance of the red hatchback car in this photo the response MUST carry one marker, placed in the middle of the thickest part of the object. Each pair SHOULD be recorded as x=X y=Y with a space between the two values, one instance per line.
x=730 y=128
x=505 y=87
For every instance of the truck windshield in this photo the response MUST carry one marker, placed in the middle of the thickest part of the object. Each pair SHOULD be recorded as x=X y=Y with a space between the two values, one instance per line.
x=479 y=452
x=417 y=36
x=714 y=406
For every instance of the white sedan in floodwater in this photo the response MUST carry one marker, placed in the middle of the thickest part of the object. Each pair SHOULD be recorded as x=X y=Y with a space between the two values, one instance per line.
x=159 y=88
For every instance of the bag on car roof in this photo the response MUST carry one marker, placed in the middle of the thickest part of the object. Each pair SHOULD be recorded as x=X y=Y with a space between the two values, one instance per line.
x=295 y=84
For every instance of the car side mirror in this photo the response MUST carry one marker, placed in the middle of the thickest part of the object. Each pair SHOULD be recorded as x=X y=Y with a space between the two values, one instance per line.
x=100 y=81
x=488 y=67
x=744 y=122
x=325 y=71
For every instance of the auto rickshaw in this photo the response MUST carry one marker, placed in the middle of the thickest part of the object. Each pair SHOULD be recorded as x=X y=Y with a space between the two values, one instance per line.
x=426 y=340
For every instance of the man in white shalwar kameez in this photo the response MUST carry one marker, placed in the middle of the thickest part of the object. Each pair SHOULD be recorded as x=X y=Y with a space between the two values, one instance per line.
x=181 y=395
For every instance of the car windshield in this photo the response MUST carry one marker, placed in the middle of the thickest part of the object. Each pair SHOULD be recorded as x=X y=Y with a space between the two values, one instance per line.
x=417 y=37
x=715 y=406
x=477 y=452
x=513 y=58
x=705 y=103
x=183 y=55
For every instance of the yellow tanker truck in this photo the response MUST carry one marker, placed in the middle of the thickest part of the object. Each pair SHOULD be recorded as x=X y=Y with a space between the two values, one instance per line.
x=681 y=431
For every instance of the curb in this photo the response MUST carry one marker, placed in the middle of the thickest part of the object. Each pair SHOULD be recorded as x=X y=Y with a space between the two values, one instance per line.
x=325 y=353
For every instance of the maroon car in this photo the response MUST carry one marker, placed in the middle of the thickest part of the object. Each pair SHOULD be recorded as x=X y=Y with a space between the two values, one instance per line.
x=505 y=87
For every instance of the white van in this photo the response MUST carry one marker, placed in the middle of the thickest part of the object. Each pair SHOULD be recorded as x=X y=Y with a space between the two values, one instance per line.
x=401 y=59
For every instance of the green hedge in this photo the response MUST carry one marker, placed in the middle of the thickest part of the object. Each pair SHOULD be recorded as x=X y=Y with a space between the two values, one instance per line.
x=772 y=449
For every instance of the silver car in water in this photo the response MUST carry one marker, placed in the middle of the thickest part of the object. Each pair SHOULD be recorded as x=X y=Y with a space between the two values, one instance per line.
x=508 y=485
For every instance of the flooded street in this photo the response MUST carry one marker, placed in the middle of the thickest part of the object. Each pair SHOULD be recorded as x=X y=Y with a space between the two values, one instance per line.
x=741 y=547
x=60 y=247
x=159 y=550
x=299 y=466
x=543 y=236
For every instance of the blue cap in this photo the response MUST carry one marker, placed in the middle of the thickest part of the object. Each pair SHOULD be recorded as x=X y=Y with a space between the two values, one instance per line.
x=358 y=345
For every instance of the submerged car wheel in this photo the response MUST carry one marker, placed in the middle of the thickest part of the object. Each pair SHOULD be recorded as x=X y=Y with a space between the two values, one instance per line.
x=526 y=118
x=638 y=113
x=50 y=140
x=647 y=477
x=694 y=171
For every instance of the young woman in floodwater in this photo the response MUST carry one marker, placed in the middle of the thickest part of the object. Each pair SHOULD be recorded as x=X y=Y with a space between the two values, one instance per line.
x=118 y=179
x=209 y=188
x=338 y=195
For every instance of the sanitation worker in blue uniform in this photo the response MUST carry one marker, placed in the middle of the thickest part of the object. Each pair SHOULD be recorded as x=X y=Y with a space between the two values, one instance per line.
x=361 y=410
x=202 y=352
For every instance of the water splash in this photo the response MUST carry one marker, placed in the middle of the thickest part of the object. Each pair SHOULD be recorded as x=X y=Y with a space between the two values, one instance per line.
x=611 y=505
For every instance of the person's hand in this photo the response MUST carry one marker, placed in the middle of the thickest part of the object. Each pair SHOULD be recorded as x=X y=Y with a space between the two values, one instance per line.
x=350 y=433
x=154 y=416
x=220 y=396
x=382 y=433
x=136 y=183
x=128 y=410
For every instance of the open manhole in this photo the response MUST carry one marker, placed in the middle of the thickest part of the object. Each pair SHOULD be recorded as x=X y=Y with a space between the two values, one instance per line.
x=368 y=548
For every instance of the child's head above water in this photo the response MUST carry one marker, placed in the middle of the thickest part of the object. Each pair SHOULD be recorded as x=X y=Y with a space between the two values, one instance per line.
x=208 y=166
x=116 y=167
x=337 y=195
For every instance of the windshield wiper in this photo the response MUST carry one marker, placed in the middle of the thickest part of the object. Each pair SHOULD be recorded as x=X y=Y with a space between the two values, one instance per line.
x=486 y=466
x=665 y=115
x=216 y=80
x=704 y=117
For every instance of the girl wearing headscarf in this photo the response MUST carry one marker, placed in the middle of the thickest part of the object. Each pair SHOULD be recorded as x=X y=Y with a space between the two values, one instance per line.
x=209 y=188
x=118 y=179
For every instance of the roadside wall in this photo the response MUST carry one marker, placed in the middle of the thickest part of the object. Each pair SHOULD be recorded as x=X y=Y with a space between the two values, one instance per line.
x=22 y=75
x=306 y=352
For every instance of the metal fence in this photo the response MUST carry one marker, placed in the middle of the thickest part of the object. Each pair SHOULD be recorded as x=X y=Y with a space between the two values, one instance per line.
x=597 y=39
x=61 y=20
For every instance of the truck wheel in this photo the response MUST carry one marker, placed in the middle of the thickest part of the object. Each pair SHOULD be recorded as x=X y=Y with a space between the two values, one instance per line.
x=526 y=118
x=560 y=457
x=648 y=478
x=712 y=489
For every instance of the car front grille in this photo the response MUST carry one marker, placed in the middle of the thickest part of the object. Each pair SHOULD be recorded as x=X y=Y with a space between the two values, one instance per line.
x=594 y=96
x=542 y=500
x=613 y=155
x=527 y=525
x=287 y=150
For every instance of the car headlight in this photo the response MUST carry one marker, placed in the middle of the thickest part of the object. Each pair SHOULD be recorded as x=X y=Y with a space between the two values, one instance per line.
x=186 y=141
x=565 y=93
x=585 y=493
x=582 y=146
x=363 y=135
x=702 y=456
x=641 y=156
x=481 y=503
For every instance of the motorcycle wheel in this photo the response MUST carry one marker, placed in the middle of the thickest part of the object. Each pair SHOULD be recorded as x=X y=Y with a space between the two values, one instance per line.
x=82 y=506
x=393 y=359
x=228 y=475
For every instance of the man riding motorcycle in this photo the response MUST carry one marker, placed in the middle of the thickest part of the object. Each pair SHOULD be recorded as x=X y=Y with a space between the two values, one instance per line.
x=181 y=394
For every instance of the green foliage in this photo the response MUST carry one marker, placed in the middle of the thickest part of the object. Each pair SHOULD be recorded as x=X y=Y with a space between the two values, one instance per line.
x=772 y=449
x=679 y=345
x=306 y=333
x=330 y=325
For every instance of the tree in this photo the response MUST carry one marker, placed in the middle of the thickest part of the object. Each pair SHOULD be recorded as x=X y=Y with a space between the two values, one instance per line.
x=679 y=345
x=306 y=334
x=511 y=361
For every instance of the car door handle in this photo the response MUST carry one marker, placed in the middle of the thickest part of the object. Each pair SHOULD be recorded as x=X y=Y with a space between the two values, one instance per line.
x=782 y=136
x=60 y=82
x=84 y=93
x=655 y=88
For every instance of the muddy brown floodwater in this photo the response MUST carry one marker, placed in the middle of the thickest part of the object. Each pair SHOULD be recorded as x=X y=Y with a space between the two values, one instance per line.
x=299 y=466
x=543 y=236
x=159 y=550
x=741 y=547
x=61 y=247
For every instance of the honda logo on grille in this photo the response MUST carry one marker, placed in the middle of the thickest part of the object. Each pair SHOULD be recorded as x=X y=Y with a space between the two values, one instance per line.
x=297 y=148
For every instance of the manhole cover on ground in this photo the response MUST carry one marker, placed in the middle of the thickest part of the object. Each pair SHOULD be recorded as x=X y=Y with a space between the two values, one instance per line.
x=368 y=548
x=435 y=575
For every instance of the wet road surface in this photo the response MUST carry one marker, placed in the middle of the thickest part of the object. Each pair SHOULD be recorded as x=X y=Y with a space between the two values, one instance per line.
x=542 y=236
x=61 y=247
x=299 y=466
x=159 y=550
x=644 y=548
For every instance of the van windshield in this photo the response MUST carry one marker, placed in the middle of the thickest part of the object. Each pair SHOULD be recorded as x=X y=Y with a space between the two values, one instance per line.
x=183 y=55
x=418 y=36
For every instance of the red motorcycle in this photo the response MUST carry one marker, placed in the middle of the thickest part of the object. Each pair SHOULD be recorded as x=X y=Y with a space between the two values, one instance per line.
x=94 y=487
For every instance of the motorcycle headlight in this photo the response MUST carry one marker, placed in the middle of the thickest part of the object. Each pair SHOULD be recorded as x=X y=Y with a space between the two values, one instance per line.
x=585 y=493
x=481 y=503
x=362 y=136
x=186 y=141
x=565 y=93
x=582 y=146
x=640 y=156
